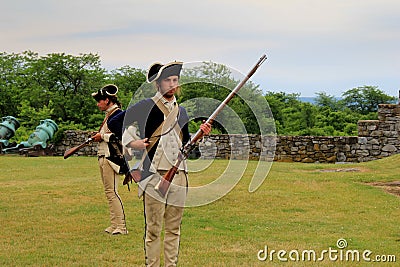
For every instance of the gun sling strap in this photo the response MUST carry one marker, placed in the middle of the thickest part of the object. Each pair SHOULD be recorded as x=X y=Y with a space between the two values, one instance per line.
x=171 y=121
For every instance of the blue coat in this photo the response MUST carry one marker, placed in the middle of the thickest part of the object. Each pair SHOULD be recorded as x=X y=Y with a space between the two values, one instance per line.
x=148 y=117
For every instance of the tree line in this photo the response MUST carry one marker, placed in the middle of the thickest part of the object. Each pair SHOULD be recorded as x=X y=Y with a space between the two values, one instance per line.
x=329 y=116
x=59 y=86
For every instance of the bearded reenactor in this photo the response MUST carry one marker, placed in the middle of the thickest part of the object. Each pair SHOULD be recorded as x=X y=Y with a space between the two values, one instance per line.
x=163 y=127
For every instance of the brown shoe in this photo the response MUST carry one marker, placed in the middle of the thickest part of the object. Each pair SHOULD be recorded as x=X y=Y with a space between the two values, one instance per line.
x=119 y=231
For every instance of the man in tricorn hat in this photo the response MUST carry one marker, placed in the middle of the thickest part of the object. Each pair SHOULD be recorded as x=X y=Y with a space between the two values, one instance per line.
x=163 y=128
x=110 y=157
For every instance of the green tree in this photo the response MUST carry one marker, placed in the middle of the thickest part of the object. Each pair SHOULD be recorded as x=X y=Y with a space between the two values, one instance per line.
x=128 y=80
x=328 y=101
x=290 y=114
x=59 y=86
x=280 y=100
x=30 y=117
x=211 y=83
x=11 y=70
x=69 y=81
x=365 y=99
x=61 y=81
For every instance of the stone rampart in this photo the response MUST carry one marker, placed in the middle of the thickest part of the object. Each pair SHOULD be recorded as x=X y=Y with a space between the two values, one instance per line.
x=376 y=139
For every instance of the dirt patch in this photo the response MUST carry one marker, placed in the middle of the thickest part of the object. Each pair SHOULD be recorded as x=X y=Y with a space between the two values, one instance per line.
x=389 y=187
x=342 y=170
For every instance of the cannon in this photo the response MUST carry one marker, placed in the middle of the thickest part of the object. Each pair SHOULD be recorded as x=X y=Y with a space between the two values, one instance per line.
x=8 y=126
x=37 y=141
x=43 y=133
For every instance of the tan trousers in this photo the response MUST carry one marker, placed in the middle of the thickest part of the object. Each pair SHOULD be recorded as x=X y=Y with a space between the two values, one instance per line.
x=157 y=212
x=110 y=181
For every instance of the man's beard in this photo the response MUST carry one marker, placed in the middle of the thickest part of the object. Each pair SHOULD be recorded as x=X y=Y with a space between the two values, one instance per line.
x=170 y=93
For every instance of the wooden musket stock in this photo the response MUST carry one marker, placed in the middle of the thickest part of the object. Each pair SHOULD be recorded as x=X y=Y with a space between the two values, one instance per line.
x=75 y=149
x=163 y=184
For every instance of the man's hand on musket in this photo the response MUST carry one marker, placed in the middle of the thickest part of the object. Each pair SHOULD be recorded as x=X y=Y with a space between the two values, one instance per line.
x=97 y=137
x=205 y=128
x=139 y=144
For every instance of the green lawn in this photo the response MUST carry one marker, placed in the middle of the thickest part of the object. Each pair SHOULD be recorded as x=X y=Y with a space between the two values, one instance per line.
x=53 y=213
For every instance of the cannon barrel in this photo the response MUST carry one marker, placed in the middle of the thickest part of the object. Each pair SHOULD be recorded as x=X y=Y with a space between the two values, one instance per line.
x=43 y=133
x=8 y=126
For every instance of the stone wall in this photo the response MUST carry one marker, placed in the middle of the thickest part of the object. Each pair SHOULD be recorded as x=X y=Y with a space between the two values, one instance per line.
x=305 y=149
x=376 y=139
x=75 y=138
x=380 y=138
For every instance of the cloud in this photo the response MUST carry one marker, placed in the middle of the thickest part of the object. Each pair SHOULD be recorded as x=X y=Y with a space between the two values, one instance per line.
x=311 y=44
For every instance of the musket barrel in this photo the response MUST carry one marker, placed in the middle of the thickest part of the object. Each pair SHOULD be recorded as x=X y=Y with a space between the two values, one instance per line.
x=235 y=90
x=163 y=185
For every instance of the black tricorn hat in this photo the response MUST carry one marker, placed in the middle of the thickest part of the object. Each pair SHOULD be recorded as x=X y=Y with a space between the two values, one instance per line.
x=159 y=71
x=109 y=90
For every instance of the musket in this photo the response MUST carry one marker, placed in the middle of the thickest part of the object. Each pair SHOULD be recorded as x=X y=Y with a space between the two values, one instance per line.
x=163 y=185
x=75 y=149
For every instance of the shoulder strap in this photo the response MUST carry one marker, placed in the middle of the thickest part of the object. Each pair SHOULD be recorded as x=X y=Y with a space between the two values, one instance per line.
x=107 y=116
x=160 y=105
x=170 y=118
x=171 y=121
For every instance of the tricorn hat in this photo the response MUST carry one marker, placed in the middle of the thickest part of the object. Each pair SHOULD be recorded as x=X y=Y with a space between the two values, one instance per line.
x=108 y=90
x=159 y=71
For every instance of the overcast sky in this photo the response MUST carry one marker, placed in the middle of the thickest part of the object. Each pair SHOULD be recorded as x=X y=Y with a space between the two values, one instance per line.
x=313 y=46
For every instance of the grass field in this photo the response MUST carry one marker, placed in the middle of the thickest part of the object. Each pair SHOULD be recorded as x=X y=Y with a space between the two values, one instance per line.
x=53 y=213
